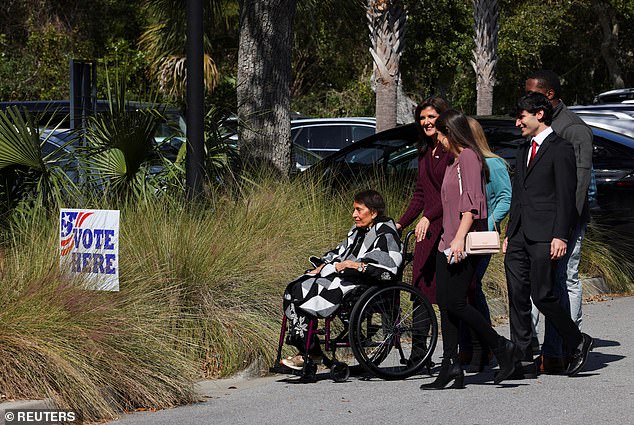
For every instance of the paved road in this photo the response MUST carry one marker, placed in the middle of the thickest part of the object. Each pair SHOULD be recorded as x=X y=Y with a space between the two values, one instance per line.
x=602 y=394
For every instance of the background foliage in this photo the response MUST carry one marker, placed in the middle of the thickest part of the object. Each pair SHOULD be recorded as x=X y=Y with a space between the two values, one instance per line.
x=331 y=63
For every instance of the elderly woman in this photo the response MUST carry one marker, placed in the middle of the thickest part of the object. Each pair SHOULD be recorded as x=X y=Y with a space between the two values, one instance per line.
x=370 y=254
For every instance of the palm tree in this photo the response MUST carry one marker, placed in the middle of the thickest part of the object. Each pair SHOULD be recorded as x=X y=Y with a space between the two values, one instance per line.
x=164 y=42
x=486 y=23
x=386 y=20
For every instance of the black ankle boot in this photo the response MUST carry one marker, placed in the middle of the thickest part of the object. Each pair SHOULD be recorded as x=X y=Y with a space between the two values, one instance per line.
x=505 y=355
x=478 y=362
x=449 y=371
x=480 y=357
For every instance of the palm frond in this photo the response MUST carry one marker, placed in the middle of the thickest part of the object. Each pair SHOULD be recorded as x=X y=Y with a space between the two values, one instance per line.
x=34 y=178
x=19 y=140
x=164 y=40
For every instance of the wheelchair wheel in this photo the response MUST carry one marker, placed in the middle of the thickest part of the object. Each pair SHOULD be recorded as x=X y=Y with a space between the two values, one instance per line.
x=339 y=372
x=393 y=331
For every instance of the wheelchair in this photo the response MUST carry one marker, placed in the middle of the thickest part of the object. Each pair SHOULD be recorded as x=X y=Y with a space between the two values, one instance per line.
x=387 y=331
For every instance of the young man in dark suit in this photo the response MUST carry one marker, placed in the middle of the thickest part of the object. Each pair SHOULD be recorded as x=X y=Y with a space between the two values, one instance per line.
x=567 y=284
x=541 y=219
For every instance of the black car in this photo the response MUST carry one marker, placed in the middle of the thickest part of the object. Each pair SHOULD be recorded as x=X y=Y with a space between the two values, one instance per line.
x=613 y=162
x=392 y=154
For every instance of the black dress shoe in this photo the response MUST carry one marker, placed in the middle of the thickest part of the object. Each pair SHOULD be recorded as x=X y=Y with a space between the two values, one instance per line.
x=580 y=355
x=522 y=370
x=505 y=355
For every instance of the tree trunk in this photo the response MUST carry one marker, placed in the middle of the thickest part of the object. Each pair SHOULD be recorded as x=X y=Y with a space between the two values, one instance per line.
x=264 y=78
x=609 y=45
x=386 y=92
x=386 y=20
x=405 y=107
x=486 y=24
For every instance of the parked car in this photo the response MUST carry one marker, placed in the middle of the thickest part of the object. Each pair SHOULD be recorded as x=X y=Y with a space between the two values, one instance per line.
x=617 y=118
x=56 y=113
x=323 y=136
x=613 y=161
x=316 y=138
x=58 y=150
x=615 y=96
x=393 y=154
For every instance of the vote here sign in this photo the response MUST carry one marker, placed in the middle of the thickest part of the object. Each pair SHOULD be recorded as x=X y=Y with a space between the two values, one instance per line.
x=89 y=246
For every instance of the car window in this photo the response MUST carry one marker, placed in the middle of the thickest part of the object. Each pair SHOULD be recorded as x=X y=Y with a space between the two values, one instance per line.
x=504 y=139
x=611 y=160
x=366 y=156
x=405 y=158
x=328 y=137
x=374 y=153
x=360 y=132
x=604 y=149
x=299 y=136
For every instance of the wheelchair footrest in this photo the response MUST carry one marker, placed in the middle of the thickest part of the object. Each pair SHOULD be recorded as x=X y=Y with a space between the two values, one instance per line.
x=278 y=368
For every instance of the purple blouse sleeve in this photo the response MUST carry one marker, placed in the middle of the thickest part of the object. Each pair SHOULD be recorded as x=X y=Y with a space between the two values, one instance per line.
x=472 y=197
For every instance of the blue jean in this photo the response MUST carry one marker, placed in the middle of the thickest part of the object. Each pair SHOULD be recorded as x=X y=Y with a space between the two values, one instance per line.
x=568 y=289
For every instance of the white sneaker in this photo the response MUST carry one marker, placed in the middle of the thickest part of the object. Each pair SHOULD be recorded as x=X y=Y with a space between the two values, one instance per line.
x=294 y=362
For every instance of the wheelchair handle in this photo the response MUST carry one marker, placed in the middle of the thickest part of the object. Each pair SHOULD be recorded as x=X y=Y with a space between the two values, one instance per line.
x=408 y=256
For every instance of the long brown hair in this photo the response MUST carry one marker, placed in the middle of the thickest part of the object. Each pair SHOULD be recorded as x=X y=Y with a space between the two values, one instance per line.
x=455 y=126
x=481 y=138
x=440 y=105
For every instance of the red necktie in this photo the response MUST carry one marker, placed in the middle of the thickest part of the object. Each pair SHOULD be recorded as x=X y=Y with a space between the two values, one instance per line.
x=533 y=152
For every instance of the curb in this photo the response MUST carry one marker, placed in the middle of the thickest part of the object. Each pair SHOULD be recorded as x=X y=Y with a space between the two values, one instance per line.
x=45 y=404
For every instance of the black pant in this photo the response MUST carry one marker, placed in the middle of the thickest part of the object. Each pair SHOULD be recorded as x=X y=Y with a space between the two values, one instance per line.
x=530 y=273
x=452 y=284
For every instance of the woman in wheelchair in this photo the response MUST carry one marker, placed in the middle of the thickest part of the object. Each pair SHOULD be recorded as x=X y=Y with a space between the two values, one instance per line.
x=371 y=253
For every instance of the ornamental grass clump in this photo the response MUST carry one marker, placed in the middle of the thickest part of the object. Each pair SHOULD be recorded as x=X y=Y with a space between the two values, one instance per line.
x=233 y=260
x=96 y=353
x=607 y=254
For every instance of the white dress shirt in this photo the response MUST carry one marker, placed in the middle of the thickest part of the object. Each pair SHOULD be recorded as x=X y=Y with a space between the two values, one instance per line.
x=539 y=139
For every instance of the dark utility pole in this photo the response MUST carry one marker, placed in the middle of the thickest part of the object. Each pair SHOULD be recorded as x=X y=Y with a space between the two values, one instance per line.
x=195 y=99
x=83 y=92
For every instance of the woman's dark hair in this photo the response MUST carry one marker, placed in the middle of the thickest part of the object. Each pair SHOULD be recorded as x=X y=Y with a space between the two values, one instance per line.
x=371 y=199
x=455 y=126
x=440 y=105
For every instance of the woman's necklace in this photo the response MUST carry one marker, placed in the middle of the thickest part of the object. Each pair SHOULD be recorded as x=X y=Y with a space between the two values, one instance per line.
x=433 y=152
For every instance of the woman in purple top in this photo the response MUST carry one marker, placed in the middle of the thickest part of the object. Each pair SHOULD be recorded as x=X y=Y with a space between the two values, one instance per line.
x=432 y=163
x=463 y=202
